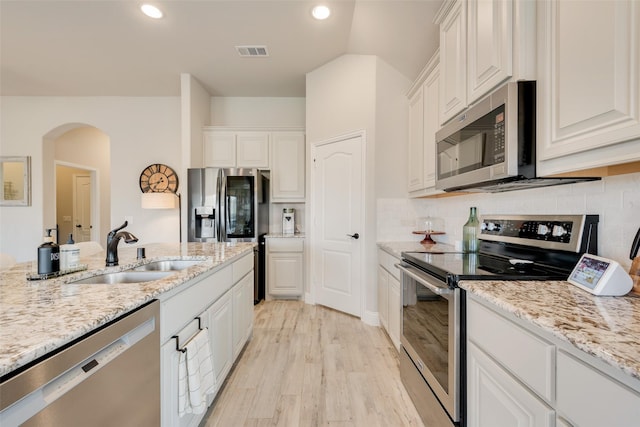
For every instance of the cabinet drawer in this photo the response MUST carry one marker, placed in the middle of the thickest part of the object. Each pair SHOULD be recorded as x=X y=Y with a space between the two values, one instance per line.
x=242 y=267
x=388 y=261
x=526 y=356
x=287 y=244
x=588 y=397
x=180 y=309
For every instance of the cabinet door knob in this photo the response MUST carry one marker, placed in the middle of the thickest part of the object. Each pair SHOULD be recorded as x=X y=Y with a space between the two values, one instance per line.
x=354 y=236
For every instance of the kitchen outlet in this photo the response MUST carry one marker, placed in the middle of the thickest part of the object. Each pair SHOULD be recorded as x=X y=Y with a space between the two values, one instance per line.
x=129 y=219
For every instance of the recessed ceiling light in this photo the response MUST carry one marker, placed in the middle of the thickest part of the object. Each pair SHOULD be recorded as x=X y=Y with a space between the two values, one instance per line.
x=321 y=12
x=151 y=11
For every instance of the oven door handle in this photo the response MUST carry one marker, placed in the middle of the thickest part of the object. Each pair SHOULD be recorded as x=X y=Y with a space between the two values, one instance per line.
x=433 y=285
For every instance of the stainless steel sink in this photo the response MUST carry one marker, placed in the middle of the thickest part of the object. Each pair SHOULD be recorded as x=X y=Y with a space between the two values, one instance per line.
x=168 y=265
x=124 y=277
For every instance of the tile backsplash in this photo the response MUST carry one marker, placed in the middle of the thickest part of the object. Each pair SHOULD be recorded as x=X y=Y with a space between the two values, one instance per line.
x=616 y=199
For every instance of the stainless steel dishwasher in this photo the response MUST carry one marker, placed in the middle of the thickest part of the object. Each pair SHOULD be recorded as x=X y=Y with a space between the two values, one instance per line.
x=110 y=377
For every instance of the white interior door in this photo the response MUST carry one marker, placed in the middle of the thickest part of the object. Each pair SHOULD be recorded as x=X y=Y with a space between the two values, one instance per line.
x=81 y=208
x=337 y=221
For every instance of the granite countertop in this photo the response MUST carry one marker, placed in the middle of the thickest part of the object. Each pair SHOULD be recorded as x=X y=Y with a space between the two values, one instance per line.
x=37 y=317
x=605 y=327
x=286 y=236
x=396 y=248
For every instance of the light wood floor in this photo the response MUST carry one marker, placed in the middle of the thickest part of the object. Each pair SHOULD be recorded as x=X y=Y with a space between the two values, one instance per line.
x=311 y=366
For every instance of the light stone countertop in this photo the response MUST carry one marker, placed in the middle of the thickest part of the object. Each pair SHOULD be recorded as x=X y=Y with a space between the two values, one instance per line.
x=605 y=327
x=37 y=317
x=396 y=248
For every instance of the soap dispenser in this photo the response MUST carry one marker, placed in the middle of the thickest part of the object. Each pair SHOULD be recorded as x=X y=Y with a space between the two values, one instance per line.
x=69 y=255
x=48 y=255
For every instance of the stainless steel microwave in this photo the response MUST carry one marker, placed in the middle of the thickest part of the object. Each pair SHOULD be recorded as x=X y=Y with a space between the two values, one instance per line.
x=491 y=142
x=491 y=147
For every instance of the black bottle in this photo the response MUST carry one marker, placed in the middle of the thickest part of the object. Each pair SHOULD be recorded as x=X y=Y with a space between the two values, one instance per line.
x=48 y=255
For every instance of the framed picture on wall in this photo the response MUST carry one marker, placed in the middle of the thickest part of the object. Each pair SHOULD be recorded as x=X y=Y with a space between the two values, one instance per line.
x=16 y=181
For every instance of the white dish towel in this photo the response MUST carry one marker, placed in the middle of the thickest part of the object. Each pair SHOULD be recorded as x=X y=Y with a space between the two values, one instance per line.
x=195 y=375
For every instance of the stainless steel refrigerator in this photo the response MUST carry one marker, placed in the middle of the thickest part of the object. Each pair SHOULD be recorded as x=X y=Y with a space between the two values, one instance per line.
x=227 y=205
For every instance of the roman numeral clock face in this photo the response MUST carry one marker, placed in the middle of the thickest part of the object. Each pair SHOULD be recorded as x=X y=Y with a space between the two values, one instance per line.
x=158 y=178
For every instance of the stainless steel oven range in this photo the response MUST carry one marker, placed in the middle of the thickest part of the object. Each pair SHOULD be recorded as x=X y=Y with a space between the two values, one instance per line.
x=512 y=247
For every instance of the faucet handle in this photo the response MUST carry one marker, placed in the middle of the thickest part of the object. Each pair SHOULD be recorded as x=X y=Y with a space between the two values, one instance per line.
x=115 y=230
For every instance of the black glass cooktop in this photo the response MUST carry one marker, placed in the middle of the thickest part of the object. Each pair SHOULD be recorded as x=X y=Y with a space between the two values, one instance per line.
x=451 y=267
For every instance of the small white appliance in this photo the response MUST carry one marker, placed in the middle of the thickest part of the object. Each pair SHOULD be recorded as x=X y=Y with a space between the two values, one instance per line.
x=288 y=221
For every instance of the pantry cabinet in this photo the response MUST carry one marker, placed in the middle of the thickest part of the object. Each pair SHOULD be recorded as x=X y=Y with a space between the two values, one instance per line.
x=285 y=258
x=423 y=125
x=588 y=84
x=287 y=167
x=519 y=374
x=241 y=149
x=482 y=45
x=389 y=296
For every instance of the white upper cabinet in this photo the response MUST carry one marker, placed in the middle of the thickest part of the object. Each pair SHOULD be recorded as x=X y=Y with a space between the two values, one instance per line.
x=483 y=43
x=431 y=90
x=588 y=83
x=230 y=149
x=424 y=97
x=253 y=150
x=220 y=149
x=453 y=59
x=416 y=145
x=490 y=36
x=287 y=171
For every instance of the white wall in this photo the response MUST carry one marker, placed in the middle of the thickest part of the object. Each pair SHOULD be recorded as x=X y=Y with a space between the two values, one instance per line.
x=257 y=112
x=195 y=113
x=142 y=131
x=616 y=199
x=362 y=93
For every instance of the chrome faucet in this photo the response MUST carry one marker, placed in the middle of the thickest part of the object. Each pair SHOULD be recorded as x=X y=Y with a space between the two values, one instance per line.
x=113 y=238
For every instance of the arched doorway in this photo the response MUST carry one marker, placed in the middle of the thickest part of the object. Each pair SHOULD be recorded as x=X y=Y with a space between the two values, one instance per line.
x=76 y=165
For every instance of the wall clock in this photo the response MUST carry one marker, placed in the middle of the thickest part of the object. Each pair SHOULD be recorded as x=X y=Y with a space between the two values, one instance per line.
x=158 y=178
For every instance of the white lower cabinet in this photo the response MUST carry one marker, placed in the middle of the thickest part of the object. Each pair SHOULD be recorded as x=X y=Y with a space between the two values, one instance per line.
x=496 y=399
x=389 y=296
x=242 y=313
x=520 y=375
x=587 y=397
x=394 y=310
x=221 y=337
x=285 y=258
x=223 y=303
x=383 y=297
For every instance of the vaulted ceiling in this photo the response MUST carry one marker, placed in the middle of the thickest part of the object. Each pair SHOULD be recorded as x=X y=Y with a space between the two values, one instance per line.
x=109 y=48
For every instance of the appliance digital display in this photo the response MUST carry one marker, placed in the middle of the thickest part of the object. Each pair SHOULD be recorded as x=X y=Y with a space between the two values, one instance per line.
x=589 y=271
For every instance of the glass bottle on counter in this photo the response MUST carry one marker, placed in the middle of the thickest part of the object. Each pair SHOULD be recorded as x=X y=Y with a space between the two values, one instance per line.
x=470 y=232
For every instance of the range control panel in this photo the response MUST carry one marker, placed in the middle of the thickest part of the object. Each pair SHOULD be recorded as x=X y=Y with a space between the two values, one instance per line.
x=576 y=233
x=555 y=231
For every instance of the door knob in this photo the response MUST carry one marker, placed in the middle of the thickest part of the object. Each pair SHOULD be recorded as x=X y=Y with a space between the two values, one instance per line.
x=78 y=226
x=354 y=236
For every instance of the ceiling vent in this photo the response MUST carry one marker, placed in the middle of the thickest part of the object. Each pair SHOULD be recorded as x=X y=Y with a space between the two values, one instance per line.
x=252 y=51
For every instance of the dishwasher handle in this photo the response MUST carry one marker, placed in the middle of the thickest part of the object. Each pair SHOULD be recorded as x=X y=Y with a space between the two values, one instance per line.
x=434 y=285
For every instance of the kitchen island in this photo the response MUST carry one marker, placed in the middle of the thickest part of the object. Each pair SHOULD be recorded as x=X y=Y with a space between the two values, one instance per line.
x=37 y=317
